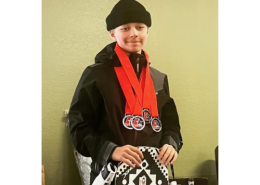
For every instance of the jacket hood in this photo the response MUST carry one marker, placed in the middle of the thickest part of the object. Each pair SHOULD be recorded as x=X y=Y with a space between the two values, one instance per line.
x=108 y=56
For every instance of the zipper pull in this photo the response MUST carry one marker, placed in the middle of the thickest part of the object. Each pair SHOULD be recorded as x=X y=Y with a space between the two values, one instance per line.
x=137 y=65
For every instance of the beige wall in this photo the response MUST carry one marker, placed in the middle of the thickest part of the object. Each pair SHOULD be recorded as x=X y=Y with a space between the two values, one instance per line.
x=182 y=42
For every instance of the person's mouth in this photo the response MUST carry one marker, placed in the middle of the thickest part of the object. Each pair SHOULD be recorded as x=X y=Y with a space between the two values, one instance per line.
x=133 y=42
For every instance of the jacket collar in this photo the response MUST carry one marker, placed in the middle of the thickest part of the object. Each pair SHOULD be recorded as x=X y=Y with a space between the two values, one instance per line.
x=108 y=56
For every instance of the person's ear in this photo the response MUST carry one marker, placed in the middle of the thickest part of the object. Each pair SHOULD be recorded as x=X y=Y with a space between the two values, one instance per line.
x=147 y=30
x=112 y=35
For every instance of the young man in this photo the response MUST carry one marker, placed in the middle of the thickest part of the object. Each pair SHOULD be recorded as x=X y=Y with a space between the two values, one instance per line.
x=104 y=118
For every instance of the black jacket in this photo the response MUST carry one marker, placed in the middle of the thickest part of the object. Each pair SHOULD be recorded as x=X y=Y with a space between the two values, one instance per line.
x=97 y=110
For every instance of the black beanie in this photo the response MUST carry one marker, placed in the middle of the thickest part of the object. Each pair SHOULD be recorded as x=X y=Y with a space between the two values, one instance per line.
x=127 y=11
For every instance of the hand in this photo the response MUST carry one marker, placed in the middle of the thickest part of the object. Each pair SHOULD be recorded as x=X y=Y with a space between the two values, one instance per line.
x=167 y=154
x=128 y=154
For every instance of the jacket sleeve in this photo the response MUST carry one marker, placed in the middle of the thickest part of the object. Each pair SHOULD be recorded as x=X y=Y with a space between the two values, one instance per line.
x=84 y=118
x=170 y=122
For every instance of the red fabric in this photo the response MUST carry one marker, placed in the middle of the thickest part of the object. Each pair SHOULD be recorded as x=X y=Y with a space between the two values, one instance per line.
x=139 y=94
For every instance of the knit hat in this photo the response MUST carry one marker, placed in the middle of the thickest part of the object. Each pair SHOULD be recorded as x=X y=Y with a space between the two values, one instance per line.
x=126 y=11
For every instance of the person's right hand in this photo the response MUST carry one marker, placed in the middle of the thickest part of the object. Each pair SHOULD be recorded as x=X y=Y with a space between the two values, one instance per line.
x=128 y=154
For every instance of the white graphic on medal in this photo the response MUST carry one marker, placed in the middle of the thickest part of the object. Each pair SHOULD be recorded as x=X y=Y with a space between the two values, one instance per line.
x=156 y=124
x=137 y=122
x=127 y=122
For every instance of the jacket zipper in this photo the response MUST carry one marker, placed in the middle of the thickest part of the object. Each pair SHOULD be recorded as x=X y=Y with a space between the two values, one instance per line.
x=135 y=138
x=137 y=66
x=137 y=74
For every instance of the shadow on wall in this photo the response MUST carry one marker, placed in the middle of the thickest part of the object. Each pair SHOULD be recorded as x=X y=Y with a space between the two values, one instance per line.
x=208 y=169
x=70 y=173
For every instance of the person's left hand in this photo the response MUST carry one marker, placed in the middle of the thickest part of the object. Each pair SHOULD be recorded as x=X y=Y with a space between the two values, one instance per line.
x=167 y=154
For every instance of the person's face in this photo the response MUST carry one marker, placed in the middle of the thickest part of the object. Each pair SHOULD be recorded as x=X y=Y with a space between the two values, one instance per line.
x=130 y=37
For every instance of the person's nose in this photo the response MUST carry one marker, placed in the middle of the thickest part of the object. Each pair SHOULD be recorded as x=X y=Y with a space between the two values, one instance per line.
x=134 y=33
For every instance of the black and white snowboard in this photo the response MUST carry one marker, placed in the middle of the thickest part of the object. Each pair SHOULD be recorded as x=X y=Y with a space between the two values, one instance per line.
x=151 y=172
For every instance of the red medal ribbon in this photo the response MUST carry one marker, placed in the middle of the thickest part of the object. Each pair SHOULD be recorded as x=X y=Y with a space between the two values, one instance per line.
x=132 y=104
x=138 y=94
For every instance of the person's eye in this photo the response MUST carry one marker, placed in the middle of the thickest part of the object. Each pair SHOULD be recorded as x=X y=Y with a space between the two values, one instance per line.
x=125 y=29
x=140 y=27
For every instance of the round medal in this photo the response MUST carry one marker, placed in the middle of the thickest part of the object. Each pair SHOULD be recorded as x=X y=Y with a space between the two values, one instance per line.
x=146 y=115
x=127 y=122
x=138 y=122
x=156 y=124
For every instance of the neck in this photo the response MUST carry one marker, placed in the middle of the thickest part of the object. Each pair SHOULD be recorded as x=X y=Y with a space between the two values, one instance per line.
x=128 y=54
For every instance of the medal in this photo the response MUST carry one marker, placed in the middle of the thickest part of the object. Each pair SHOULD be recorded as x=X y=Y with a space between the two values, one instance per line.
x=156 y=124
x=138 y=122
x=127 y=121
